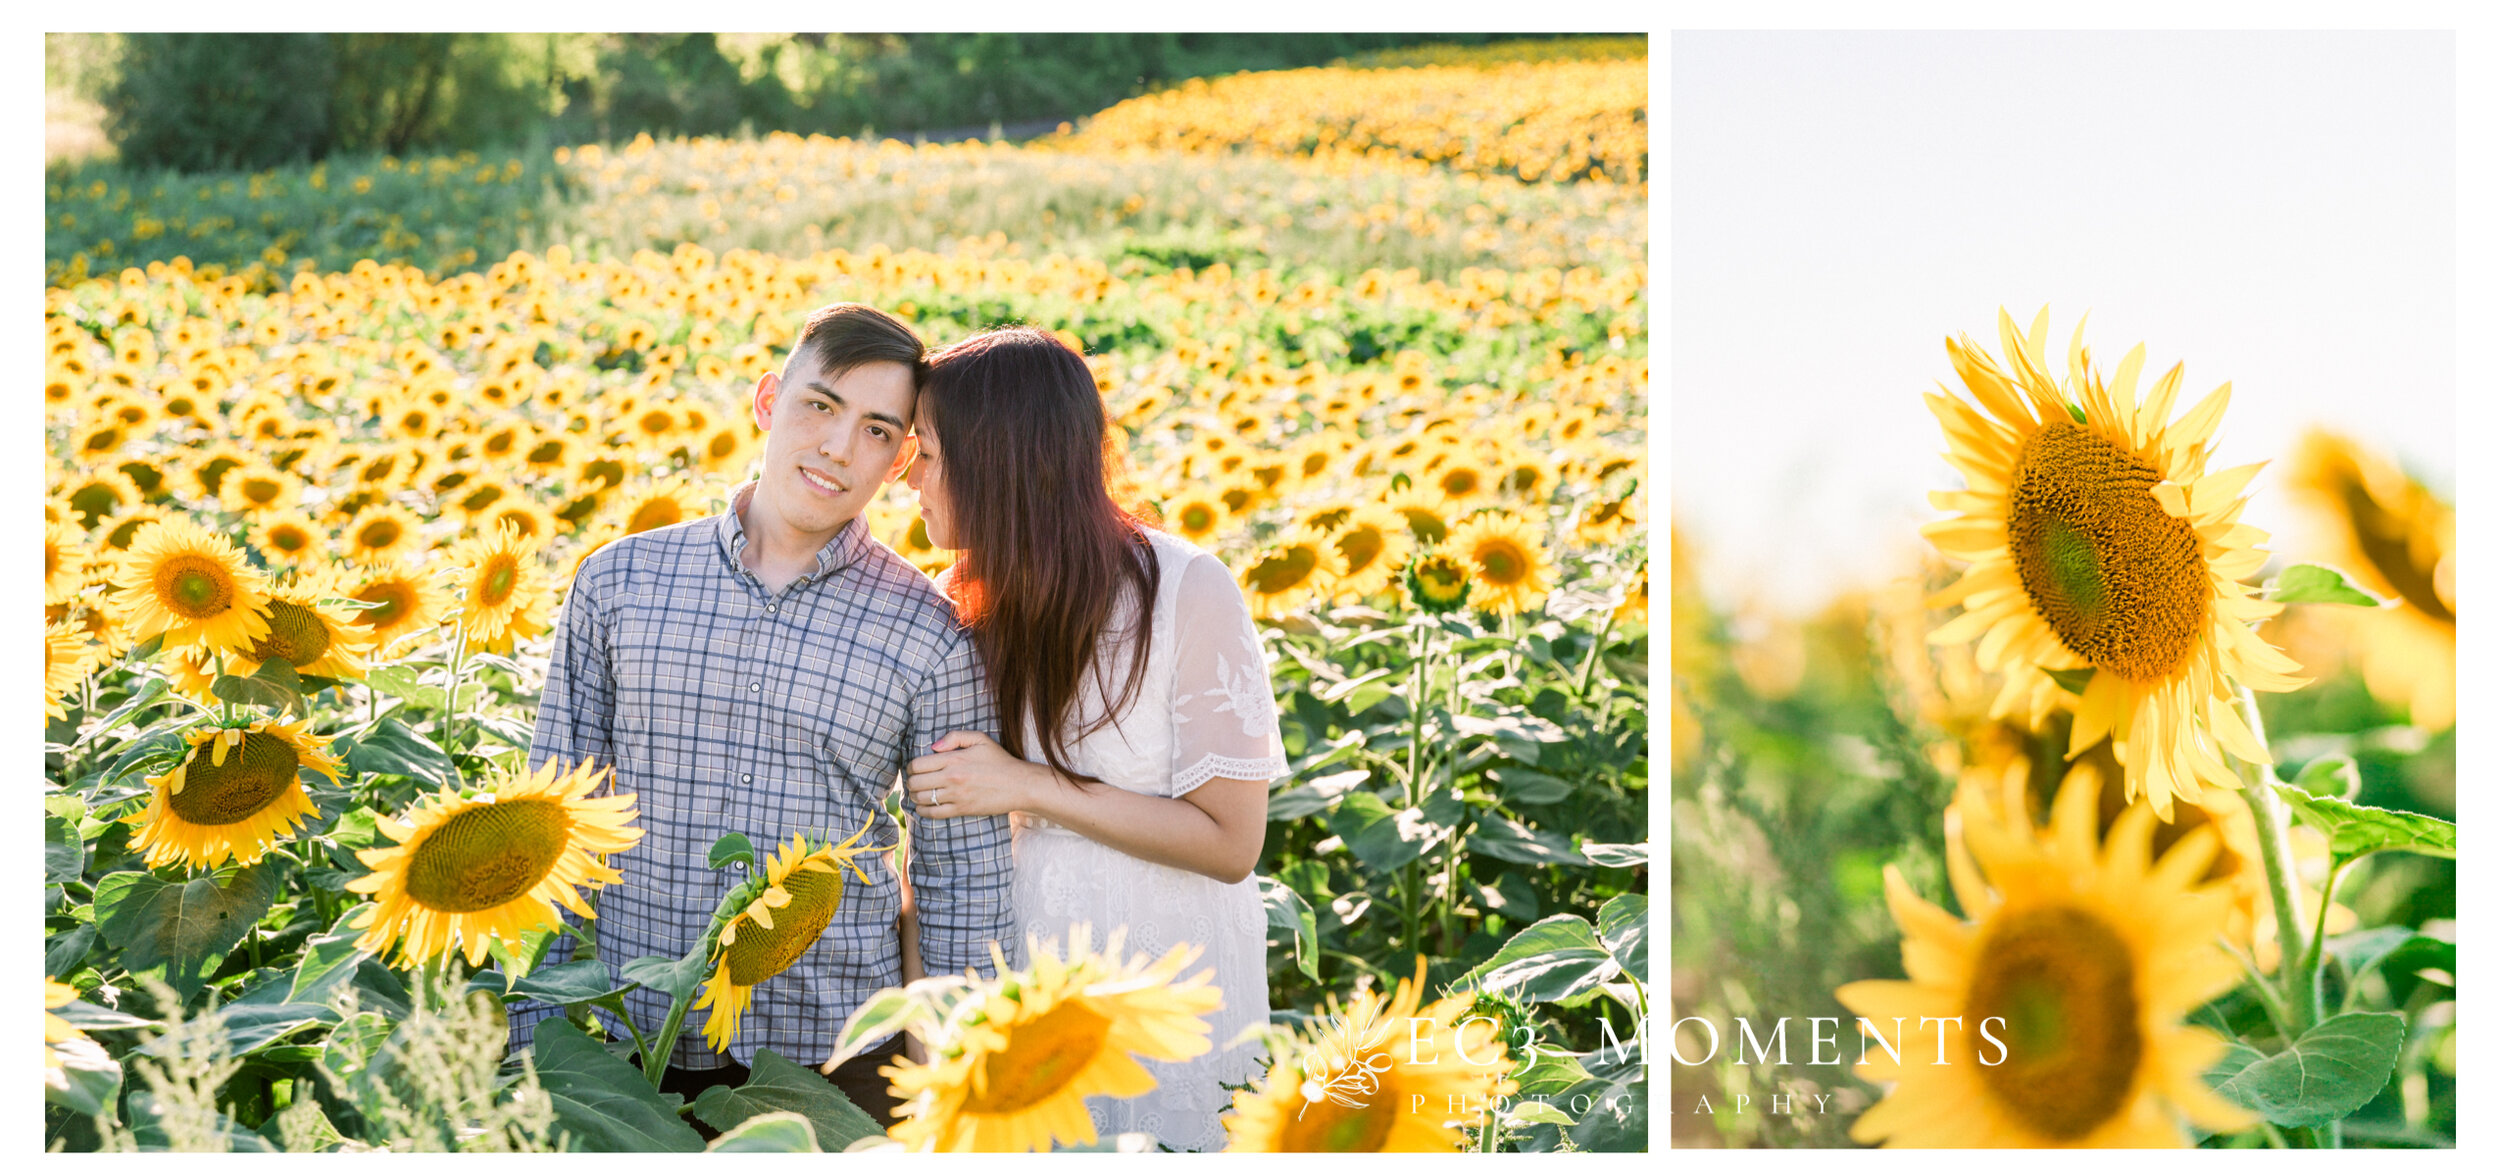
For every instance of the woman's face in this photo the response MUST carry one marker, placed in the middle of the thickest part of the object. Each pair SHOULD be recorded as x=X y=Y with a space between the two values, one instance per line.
x=928 y=480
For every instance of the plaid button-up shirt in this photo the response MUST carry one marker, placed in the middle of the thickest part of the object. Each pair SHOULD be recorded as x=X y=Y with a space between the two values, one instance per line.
x=724 y=707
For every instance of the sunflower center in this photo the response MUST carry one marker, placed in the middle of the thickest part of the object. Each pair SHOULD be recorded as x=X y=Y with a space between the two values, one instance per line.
x=296 y=634
x=387 y=602
x=1328 y=1126
x=195 y=586
x=1502 y=563
x=222 y=794
x=762 y=953
x=289 y=539
x=1041 y=1057
x=1360 y=546
x=659 y=512
x=1196 y=518
x=2064 y=984
x=378 y=534
x=1459 y=483
x=1442 y=581
x=496 y=584
x=2116 y=577
x=488 y=855
x=1426 y=525
x=1285 y=569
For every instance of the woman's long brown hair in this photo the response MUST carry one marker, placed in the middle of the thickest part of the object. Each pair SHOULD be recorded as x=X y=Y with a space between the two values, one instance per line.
x=1047 y=553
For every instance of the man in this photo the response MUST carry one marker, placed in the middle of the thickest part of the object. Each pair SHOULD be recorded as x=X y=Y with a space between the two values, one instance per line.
x=770 y=671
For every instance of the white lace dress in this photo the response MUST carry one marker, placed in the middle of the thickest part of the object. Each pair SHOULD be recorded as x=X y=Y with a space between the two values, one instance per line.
x=1205 y=710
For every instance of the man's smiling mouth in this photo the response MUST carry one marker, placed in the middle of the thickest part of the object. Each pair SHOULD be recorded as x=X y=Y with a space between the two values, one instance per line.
x=822 y=482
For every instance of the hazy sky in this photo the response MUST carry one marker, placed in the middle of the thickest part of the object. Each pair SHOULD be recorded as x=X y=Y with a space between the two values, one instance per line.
x=2275 y=209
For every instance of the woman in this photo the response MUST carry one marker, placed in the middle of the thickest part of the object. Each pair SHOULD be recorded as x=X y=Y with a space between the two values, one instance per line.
x=1140 y=727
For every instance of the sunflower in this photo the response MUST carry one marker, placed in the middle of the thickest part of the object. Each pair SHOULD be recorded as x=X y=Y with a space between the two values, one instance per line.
x=119 y=532
x=318 y=639
x=1301 y=563
x=1196 y=515
x=2400 y=541
x=659 y=504
x=235 y=794
x=1427 y=516
x=1606 y=522
x=64 y=563
x=192 y=672
x=1439 y=582
x=1035 y=1045
x=2085 y=955
x=1385 y=1076
x=479 y=495
x=803 y=884
x=471 y=867
x=1374 y=542
x=66 y=659
x=504 y=592
x=289 y=538
x=2097 y=541
x=258 y=487
x=383 y=533
x=181 y=581
x=100 y=495
x=1508 y=559
x=534 y=522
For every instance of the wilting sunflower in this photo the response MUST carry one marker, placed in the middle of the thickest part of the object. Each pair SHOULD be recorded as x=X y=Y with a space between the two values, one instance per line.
x=1438 y=582
x=318 y=639
x=1374 y=542
x=382 y=533
x=289 y=538
x=658 y=504
x=788 y=911
x=2083 y=956
x=1508 y=559
x=473 y=867
x=2097 y=541
x=191 y=586
x=1196 y=515
x=235 y=794
x=64 y=563
x=2399 y=540
x=1385 y=1076
x=1036 y=1044
x=504 y=593
x=1300 y=564
x=66 y=658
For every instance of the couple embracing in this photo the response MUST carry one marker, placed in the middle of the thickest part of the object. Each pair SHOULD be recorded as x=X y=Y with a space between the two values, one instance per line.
x=1078 y=710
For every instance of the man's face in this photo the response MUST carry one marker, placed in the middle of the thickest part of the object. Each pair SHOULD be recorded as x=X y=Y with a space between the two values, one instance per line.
x=831 y=442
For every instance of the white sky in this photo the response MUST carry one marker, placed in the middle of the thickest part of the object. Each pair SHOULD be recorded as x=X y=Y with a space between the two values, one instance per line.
x=2274 y=208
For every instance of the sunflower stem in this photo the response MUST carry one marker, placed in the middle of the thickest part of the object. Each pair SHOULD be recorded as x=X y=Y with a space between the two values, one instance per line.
x=2276 y=1013
x=655 y=1059
x=2295 y=967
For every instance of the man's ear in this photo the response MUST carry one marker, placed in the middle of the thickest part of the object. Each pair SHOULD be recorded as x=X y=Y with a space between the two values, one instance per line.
x=767 y=390
x=903 y=457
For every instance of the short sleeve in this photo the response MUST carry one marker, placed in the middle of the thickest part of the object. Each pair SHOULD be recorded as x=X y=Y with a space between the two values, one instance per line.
x=1223 y=707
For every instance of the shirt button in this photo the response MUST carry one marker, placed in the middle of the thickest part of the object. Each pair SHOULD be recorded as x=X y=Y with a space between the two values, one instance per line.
x=772 y=608
x=755 y=685
x=746 y=779
x=741 y=867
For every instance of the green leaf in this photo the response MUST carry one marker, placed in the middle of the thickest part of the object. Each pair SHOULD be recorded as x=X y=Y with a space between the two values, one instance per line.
x=275 y=686
x=779 y=1131
x=1499 y=836
x=2334 y=776
x=577 y=982
x=602 y=1102
x=63 y=953
x=145 y=649
x=186 y=927
x=1532 y=1111
x=248 y=1027
x=1617 y=1118
x=777 y=1084
x=1338 y=690
x=94 y=1016
x=1382 y=838
x=1526 y=786
x=147 y=1126
x=147 y=694
x=732 y=847
x=883 y=1014
x=2353 y=830
x=393 y=750
x=1315 y=795
x=87 y=1080
x=2073 y=682
x=1616 y=855
x=2332 y=1071
x=2309 y=583
x=64 y=854
x=1288 y=911
x=677 y=976
x=1557 y=959
x=1551 y=1071
x=351 y=1046
x=1623 y=925
x=329 y=959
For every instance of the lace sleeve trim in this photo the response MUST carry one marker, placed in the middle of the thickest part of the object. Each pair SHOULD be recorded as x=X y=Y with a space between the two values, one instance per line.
x=1209 y=767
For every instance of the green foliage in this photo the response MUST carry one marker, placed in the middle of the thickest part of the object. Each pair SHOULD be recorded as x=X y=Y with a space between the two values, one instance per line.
x=2332 y=1071
x=775 y=1086
x=601 y=1103
x=219 y=101
x=2318 y=584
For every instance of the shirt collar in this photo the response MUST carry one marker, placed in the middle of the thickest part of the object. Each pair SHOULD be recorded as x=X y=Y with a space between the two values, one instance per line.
x=839 y=552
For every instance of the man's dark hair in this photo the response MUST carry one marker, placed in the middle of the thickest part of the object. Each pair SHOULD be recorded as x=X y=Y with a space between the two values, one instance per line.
x=847 y=334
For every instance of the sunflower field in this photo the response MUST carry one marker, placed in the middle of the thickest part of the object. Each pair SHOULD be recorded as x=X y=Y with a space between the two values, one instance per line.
x=2112 y=827
x=325 y=444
